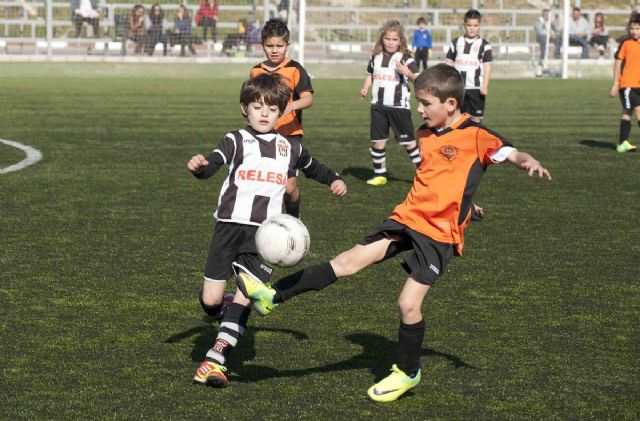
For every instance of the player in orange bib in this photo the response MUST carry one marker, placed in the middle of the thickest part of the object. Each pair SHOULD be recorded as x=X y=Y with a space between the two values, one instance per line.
x=429 y=224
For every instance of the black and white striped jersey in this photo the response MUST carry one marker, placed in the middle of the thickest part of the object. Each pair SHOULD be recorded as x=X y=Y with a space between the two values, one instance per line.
x=390 y=87
x=259 y=165
x=468 y=56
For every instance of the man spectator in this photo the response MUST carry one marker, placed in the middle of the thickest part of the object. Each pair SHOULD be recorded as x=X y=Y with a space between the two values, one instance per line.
x=579 y=31
x=542 y=27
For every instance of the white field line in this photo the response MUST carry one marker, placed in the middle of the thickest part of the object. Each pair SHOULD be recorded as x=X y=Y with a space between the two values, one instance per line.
x=33 y=156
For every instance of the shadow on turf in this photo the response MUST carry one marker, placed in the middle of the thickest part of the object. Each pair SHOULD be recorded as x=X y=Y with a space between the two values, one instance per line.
x=362 y=173
x=598 y=144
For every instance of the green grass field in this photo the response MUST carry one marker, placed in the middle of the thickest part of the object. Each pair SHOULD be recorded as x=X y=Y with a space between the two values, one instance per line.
x=103 y=242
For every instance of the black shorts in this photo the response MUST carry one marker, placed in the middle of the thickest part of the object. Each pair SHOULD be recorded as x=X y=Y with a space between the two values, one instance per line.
x=233 y=248
x=428 y=258
x=473 y=103
x=630 y=98
x=399 y=119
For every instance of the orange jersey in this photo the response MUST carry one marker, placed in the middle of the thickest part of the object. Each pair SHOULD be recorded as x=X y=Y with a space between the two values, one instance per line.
x=629 y=53
x=453 y=162
x=298 y=80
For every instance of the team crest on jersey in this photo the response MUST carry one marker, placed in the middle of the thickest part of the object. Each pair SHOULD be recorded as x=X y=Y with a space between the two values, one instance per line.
x=449 y=152
x=283 y=148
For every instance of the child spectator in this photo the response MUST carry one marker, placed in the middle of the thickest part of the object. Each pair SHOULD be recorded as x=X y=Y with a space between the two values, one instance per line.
x=626 y=82
x=259 y=160
x=275 y=44
x=429 y=224
x=389 y=71
x=599 y=35
x=207 y=17
x=471 y=56
x=421 y=43
x=137 y=32
x=182 y=31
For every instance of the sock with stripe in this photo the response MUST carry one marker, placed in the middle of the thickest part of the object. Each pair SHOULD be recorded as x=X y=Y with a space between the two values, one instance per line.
x=379 y=160
x=232 y=327
x=414 y=155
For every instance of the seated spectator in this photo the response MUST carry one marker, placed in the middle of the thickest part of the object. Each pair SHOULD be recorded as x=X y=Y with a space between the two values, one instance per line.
x=207 y=17
x=154 y=23
x=86 y=11
x=599 y=34
x=181 y=33
x=578 y=32
x=541 y=27
x=137 y=32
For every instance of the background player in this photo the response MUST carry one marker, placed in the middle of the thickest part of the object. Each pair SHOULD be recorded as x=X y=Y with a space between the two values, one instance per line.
x=275 y=43
x=421 y=43
x=471 y=56
x=259 y=161
x=429 y=223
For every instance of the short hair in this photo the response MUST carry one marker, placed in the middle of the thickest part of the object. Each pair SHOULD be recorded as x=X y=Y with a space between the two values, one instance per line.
x=634 y=18
x=267 y=87
x=275 y=28
x=420 y=20
x=442 y=81
x=576 y=9
x=472 y=14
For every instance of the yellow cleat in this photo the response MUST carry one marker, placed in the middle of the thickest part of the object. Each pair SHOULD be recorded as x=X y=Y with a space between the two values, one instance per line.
x=378 y=180
x=211 y=374
x=393 y=386
x=625 y=147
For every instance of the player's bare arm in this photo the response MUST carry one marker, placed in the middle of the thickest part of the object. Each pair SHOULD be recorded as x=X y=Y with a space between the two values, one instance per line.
x=305 y=101
x=526 y=162
x=365 y=86
x=484 y=89
x=617 y=69
x=196 y=162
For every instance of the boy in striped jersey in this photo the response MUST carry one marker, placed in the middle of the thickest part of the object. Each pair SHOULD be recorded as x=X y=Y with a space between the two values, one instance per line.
x=471 y=56
x=260 y=162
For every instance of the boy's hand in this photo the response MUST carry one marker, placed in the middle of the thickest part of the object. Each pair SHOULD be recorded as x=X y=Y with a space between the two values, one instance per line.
x=402 y=68
x=339 y=188
x=196 y=162
x=363 y=93
x=532 y=167
x=484 y=90
x=614 y=91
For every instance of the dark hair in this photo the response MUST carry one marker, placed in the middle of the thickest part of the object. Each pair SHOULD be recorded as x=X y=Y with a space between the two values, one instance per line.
x=421 y=20
x=267 y=87
x=275 y=28
x=442 y=81
x=472 y=14
x=634 y=18
x=576 y=9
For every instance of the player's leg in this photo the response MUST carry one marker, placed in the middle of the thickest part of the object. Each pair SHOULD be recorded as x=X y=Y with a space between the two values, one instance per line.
x=212 y=297
x=402 y=127
x=627 y=96
x=473 y=104
x=379 y=136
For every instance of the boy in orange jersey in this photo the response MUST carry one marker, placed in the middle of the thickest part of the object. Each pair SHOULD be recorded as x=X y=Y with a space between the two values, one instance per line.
x=429 y=223
x=275 y=43
x=626 y=82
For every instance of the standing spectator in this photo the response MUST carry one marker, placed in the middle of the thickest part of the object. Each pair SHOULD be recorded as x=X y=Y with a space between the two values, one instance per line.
x=137 y=32
x=542 y=27
x=182 y=31
x=599 y=34
x=86 y=11
x=421 y=43
x=207 y=17
x=471 y=55
x=154 y=23
x=579 y=30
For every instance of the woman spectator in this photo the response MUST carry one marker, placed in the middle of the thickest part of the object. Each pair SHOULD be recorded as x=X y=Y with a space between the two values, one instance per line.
x=137 y=32
x=154 y=23
x=182 y=31
x=86 y=11
x=599 y=35
x=207 y=17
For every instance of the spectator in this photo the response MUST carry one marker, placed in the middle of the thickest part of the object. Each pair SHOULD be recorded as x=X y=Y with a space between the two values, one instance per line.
x=578 y=32
x=207 y=17
x=541 y=27
x=154 y=23
x=182 y=31
x=86 y=11
x=600 y=34
x=421 y=43
x=283 y=10
x=137 y=32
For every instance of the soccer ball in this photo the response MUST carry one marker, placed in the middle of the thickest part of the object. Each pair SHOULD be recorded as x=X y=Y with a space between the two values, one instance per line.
x=282 y=240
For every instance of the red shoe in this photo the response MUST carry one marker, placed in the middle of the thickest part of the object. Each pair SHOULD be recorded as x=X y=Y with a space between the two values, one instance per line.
x=211 y=374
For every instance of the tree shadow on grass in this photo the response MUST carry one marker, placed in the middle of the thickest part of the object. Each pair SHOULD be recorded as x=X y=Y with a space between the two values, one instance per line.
x=362 y=173
x=598 y=144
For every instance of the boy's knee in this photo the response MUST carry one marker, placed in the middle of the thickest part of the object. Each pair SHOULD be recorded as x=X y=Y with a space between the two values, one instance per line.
x=408 y=306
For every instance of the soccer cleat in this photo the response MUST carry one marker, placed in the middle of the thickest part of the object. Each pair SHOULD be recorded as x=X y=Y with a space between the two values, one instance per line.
x=391 y=387
x=625 y=147
x=261 y=295
x=211 y=374
x=378 y=180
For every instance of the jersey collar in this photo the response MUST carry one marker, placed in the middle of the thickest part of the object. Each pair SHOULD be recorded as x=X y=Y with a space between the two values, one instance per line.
x=265 y=136
x=275 y=69
x=461 y=123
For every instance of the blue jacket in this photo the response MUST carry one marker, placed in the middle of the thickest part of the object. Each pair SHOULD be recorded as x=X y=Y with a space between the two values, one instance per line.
x=421 y=39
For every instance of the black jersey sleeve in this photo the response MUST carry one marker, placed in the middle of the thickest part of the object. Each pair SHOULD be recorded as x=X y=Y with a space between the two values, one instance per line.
x=221 y=155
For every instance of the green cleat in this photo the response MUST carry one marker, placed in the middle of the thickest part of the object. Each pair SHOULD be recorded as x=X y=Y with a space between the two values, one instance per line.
x=393 y=386
x=261 y=295
x=378 y=180
x=625 y=147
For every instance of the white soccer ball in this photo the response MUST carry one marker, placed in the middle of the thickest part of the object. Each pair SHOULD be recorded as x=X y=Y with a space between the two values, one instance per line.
x=282 y=240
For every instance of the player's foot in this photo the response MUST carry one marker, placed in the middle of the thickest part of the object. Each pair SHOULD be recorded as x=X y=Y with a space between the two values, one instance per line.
x=625 y=147
x=211 y=374
x=395 y=384
x=261 y=295
x=378 y=180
